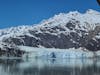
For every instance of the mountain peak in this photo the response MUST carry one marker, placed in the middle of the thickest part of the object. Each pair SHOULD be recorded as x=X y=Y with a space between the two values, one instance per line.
x=65 y=30
x=91 y=11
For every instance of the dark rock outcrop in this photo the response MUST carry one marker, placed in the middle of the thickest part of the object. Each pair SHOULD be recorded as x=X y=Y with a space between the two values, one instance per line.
x=11 y=52
x=51 y=38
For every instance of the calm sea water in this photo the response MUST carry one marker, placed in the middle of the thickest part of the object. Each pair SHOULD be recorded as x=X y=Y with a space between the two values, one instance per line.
x=49 y=66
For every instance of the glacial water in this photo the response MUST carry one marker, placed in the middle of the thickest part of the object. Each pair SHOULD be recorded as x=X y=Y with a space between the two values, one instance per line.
x=49 y=66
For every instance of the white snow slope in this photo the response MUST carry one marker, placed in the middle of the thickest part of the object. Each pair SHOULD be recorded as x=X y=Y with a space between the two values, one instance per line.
x=91 y=17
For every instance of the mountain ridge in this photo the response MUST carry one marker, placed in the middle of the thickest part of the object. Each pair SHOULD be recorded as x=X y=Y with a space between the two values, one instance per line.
x=65 y=30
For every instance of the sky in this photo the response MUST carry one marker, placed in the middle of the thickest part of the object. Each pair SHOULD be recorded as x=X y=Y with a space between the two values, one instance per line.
x=29 y=12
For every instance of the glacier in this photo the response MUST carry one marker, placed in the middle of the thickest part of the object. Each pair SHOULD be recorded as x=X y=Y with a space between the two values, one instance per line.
x=48 y=53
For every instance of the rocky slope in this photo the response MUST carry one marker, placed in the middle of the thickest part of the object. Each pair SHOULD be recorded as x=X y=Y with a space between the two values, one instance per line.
x=66 y=30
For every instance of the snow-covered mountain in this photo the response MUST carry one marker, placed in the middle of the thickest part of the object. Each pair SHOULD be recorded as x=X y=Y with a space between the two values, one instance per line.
x=63 y=31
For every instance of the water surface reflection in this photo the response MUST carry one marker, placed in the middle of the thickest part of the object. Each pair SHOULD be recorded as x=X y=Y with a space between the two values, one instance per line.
x=49 y=67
